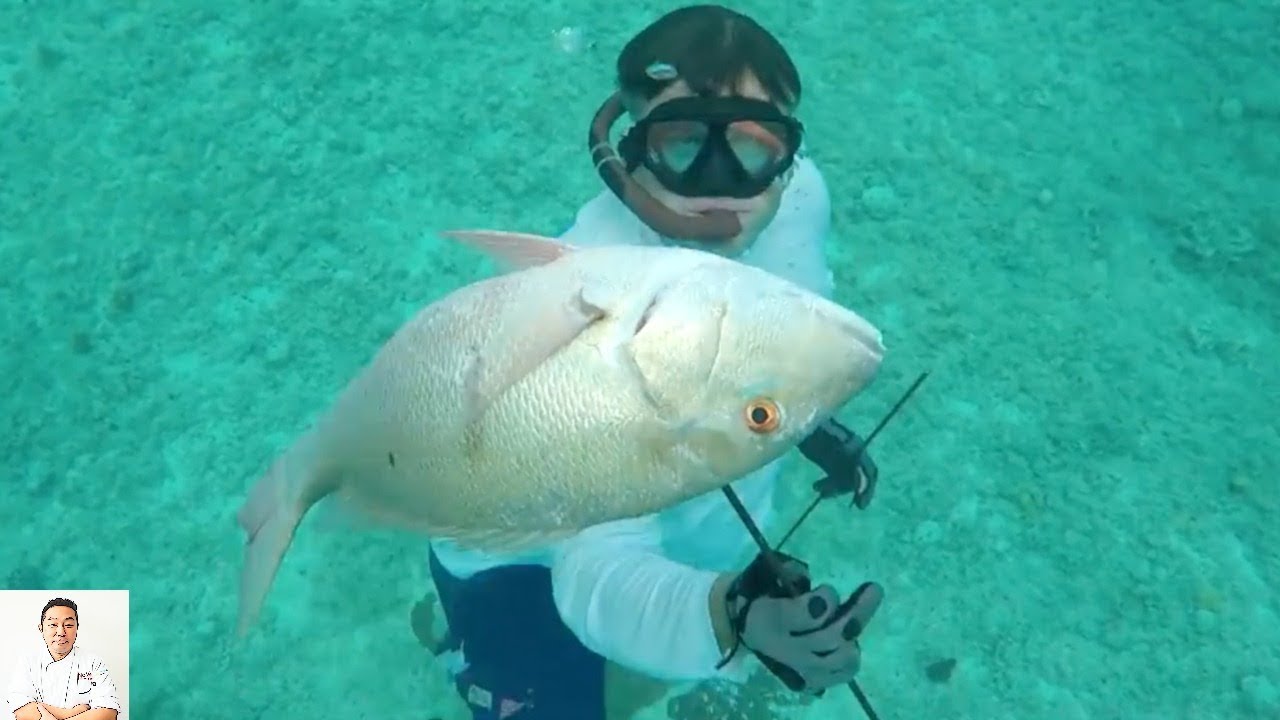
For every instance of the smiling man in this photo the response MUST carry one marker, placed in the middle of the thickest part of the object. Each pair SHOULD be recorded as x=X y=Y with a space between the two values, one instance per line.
x=62 y=680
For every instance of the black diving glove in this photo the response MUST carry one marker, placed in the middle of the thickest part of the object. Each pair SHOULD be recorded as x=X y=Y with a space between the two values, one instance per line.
x=837 y=450
x=806 y=637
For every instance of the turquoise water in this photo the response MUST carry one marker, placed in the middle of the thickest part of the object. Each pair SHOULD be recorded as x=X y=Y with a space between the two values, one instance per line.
x=210 y=218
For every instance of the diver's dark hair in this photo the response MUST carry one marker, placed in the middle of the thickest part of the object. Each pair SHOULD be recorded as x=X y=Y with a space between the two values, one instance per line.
x=59 y=602
x=710 y=48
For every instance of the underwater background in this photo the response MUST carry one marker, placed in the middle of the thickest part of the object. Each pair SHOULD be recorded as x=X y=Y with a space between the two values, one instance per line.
x=212 y=214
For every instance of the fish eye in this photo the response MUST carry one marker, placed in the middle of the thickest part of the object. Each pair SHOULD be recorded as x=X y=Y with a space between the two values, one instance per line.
x=762 y=415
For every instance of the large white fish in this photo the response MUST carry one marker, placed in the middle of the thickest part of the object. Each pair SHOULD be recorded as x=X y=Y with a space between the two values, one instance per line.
x=586 y=385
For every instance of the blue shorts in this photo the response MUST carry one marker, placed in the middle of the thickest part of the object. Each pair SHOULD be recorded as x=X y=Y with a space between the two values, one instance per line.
x=519 y=657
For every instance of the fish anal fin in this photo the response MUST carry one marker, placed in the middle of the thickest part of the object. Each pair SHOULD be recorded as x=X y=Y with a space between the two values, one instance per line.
x=350 y=510
x=504 y=541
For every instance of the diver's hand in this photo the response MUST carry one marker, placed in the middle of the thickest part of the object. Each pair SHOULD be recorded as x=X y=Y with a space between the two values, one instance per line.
x=837 y=450
x=807 y=637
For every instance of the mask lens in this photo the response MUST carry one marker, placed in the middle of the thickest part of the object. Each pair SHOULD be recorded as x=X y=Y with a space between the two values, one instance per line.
x=759 y=145
x=676 y=143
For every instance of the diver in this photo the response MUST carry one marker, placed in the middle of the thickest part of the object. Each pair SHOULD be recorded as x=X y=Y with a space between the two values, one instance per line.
x=714 y=160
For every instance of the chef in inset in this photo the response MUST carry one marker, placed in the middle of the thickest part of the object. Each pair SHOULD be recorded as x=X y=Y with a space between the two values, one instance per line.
x=62 y=680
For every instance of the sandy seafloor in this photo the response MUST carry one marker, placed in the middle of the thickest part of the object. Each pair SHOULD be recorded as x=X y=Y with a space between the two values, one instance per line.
x=211 y=215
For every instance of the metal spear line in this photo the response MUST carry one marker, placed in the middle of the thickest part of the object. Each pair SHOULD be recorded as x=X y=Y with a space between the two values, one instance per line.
x=770 y=554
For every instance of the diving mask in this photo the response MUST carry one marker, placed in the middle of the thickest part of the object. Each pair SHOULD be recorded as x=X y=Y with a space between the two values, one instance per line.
x=714 y=146
x=723 y=147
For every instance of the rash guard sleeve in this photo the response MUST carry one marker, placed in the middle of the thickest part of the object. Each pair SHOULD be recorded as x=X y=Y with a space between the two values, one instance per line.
x=625 y=600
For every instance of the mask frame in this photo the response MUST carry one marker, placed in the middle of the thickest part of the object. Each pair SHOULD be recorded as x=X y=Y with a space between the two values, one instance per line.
x=716 y=169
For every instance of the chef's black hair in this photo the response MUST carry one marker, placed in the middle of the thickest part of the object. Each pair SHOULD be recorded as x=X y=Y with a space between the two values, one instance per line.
x=59 y=602
x=710 y=48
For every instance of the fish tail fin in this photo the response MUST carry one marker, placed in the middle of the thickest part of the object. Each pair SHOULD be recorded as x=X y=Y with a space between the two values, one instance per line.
x=269 y=517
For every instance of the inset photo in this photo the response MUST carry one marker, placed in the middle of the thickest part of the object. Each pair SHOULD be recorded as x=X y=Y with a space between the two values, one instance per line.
x=64 y=654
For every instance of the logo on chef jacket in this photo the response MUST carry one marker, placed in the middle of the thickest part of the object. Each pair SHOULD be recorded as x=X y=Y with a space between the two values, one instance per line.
x=86 y=676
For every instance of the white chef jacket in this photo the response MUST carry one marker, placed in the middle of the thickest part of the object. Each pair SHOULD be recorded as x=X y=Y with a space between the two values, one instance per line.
x=80 y=678
x=635 y=590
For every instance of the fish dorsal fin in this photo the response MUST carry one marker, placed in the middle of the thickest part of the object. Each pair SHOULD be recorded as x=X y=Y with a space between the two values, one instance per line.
x=515 y=251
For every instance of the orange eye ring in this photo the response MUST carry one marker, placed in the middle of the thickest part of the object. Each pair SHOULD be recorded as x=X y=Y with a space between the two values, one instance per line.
x=762 y=415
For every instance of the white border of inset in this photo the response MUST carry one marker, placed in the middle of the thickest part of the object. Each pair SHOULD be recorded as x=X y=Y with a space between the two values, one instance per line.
x=104 y=631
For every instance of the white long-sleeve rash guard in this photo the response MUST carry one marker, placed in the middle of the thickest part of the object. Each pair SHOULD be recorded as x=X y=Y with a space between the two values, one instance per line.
x=635 y=591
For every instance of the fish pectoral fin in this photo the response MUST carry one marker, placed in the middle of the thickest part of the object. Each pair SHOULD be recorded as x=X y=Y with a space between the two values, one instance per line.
x=534 y=332
x=352 y=511
x=512 y=251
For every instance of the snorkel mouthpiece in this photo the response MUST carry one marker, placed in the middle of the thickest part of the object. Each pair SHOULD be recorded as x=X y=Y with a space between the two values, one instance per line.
x=714 y=225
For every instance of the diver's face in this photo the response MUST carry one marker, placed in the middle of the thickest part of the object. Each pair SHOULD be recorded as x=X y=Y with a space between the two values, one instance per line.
x=59 y=630
x=753 y=213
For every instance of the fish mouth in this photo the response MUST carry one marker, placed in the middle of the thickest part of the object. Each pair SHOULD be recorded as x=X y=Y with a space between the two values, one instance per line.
x=865 y=335
x=865 y=346
x=868 y=338
x=870 y=350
